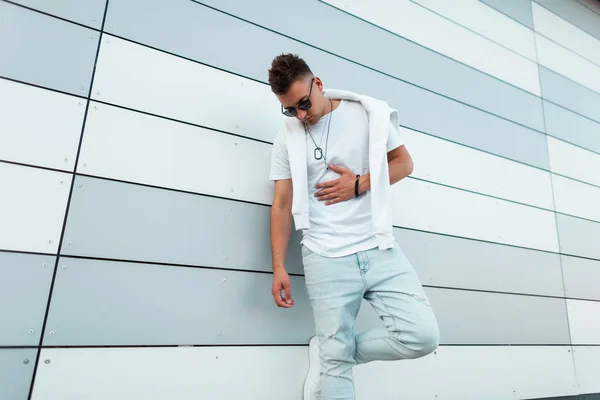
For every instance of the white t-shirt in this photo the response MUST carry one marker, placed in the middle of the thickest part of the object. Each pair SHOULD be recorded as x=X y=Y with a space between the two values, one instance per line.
x=343 y=228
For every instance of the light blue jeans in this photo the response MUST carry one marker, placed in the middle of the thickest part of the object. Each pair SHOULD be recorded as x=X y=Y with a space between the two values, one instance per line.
x=386 y=279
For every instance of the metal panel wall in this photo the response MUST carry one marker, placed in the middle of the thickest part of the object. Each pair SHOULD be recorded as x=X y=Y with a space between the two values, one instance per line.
x=135 y=152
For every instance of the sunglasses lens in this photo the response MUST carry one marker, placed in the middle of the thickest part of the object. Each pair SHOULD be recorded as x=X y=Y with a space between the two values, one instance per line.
x=305 y=105
x=290 y=112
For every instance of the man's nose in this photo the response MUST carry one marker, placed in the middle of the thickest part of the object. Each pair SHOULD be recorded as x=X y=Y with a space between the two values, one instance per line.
x=301 y=114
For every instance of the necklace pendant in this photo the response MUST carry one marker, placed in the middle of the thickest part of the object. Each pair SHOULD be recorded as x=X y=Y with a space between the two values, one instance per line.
x=318 y=153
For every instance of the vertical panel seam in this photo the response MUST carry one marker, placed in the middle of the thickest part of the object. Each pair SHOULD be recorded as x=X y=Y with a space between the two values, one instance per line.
x=560 y=258
x=66 y=214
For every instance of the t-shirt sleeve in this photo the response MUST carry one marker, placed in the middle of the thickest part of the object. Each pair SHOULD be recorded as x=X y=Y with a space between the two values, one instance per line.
x=280 y=164
x=394 y=138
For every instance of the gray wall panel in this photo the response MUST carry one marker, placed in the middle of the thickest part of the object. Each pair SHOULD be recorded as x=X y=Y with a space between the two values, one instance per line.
x=484 y=318
x=16 y=371
x=519 y=10
x=461 y=263
x=582 y=277
x=100 y=302
x=572 y=127
x=575 y=13
x=45 y=51
x=578 y=237
x=125 y=221
x=85 y=12
x=561 y=90
x=419 y=109
x=24 y=287
x=409 y=61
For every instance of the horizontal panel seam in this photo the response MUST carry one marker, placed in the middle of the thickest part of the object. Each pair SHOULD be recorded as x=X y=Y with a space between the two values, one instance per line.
x=65 y=257
x=264 y=141
x=135 y=346
x=51 y=15
x=477 y=33
x=570 y=51
x=589 y=8
x=506 y=15
x=561 y=17
x=381 y=72
x=268 y=205
x=404 y=38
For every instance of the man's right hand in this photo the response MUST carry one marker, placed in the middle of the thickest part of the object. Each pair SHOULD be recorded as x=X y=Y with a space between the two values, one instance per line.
x=281 y=281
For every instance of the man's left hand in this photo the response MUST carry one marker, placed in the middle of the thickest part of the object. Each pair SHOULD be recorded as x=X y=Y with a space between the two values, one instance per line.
x=337 y=190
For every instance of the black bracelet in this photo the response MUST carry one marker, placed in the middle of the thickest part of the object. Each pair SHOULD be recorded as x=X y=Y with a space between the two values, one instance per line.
x=356 y=186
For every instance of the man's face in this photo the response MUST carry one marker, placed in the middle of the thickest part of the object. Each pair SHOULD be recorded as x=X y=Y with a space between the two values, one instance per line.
x=298 y=93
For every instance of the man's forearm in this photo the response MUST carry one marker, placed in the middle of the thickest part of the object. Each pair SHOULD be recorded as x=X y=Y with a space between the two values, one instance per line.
x=398 y=170
x=281 y=224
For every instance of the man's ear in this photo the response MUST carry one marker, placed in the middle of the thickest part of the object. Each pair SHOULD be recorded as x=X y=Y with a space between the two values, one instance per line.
x=319 y=83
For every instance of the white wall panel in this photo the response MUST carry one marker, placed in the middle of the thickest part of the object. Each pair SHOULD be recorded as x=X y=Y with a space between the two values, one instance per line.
x=570 y=36
x=576 y=198
x=38 y=126
x=587 y=366
x=420 y=25
x=138 y=77
x=32 y=207
x=573 y=161
x=584 y=321
x=454 y=372
x=471 y=372
x=486 y=21
x=445 y=162
x=435 y=208
x=567 y=63
x=136 y=147
x=224 y=373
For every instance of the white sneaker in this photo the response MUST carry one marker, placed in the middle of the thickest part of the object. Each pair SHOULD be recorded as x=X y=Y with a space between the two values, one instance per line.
x=312 y=384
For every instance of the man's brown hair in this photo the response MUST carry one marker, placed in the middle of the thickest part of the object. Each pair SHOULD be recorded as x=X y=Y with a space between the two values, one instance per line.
x=285 y=70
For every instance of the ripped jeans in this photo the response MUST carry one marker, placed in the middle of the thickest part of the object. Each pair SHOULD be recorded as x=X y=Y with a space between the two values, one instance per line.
x=386 y=279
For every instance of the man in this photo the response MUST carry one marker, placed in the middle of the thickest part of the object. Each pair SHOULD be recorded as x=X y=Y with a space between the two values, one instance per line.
x=333 y=163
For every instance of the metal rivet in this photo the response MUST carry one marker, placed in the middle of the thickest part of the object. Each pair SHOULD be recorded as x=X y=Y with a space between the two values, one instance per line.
x=229 y=208
x=94 y=19
x=98 y=93
x=79 y=103
x=70 y=242
x=236 y=143
x=51 y=333
x=47 y=361
x=49 y=241
x=226 y=257
x=80 y=87
x=110 y=25
x=85 y=165
x=80 y=185
x=45 y=265
x=95 y=107
x=108 y=41
x=569 y=351
x=26 y=361
x=220 y=333
x=62 y=182
x=91 y=36
x=31 y=331
x=237 y=126
x=66 y=160
x=224 y=280
x=64 y=267
x=232 y=189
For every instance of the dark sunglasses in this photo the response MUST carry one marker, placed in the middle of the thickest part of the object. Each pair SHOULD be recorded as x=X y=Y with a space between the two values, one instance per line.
x=302 y=104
